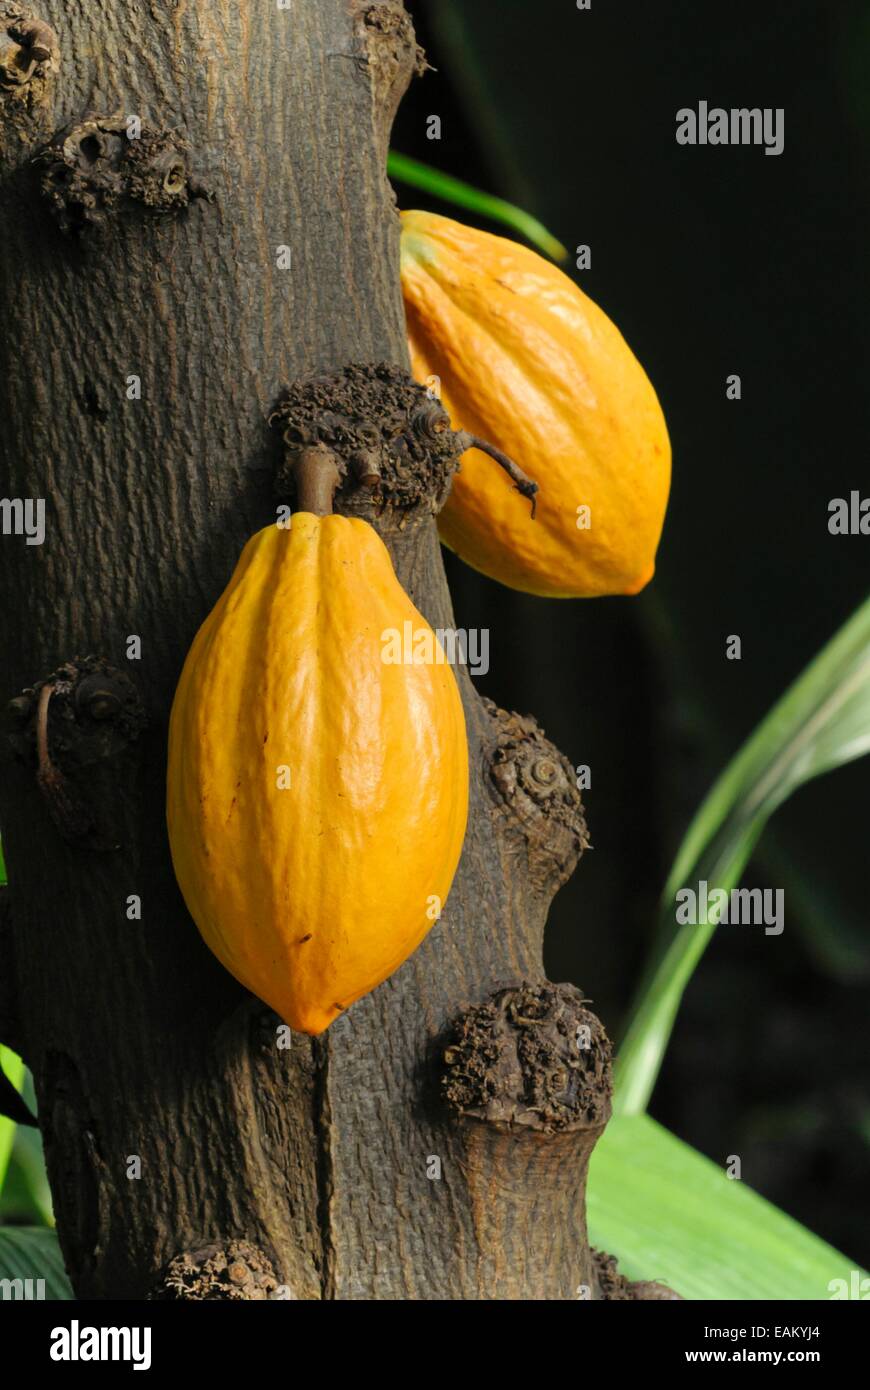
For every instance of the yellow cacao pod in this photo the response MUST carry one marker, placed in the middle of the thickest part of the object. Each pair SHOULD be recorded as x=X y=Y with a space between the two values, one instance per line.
x=317 y=793
x=528 y=362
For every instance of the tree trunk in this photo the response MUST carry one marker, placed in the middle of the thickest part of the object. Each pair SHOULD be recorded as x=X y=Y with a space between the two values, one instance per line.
x=312 y=1168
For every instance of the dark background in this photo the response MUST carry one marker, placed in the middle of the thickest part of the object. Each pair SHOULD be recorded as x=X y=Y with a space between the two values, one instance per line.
x=711 y=261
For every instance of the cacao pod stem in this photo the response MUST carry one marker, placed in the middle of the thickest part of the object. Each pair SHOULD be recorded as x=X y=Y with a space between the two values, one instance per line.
x=522 y=482
x=317 y=474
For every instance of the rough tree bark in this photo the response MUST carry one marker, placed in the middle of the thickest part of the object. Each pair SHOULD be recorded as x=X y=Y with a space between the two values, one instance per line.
x=262 y=128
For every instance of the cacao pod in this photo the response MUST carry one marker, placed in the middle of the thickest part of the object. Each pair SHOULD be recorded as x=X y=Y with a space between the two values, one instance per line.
x=313 y=884
x=527 y=361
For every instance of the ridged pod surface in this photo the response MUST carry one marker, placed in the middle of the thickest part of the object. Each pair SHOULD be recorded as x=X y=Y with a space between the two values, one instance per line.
x=528 y=362
x=313 y=892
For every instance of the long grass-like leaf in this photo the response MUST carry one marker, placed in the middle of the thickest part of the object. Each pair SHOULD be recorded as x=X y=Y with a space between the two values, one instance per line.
x=450 y=190
x=668 y=1213
x=821 y=723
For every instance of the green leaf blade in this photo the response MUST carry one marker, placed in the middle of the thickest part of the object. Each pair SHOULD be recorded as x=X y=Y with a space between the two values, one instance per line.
x=34 y=1253
x=670 y=1214
x=13 y=1067
x=821 y=723
x=26 y=1197
x=450 y=190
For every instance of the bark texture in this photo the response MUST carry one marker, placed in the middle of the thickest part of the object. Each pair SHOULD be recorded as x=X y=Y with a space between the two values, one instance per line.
x=305 y=1168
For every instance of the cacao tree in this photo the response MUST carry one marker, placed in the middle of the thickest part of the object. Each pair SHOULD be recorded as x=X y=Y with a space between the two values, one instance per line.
x=195 y=214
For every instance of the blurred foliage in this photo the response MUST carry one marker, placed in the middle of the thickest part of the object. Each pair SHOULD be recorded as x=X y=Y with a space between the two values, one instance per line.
x=669 y=1214
x=34 y=1253
x=821 y=723
x=25 y=1198
x=13 y=1068
x=29 y=1249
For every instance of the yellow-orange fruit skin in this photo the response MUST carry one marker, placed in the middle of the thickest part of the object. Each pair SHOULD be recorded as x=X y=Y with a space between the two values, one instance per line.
x=313 y=893
x=529 y=363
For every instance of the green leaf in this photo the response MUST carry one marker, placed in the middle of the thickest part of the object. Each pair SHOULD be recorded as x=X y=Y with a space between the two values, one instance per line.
x=821 y=723
x=26 y=1196
x=33 y=1253
x=669 y=1214
x=13 y=1066
x=463 y=195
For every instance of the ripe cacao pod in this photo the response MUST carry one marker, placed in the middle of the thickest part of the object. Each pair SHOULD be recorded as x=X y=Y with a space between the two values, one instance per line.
x=312 y=885
x=527 y=361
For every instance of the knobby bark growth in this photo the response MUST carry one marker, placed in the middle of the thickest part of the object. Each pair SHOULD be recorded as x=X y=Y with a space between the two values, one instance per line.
x=151 y=320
